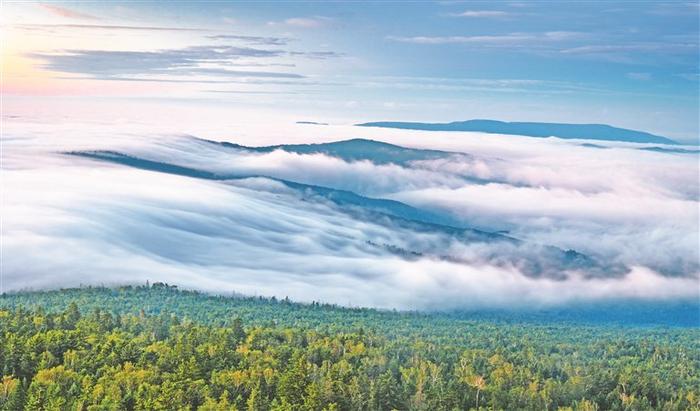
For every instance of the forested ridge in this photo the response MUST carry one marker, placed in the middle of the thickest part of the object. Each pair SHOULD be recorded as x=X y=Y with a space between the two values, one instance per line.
x=155 y=347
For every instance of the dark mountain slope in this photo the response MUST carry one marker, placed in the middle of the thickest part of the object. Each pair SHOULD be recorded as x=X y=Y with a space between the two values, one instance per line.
x=352 y=150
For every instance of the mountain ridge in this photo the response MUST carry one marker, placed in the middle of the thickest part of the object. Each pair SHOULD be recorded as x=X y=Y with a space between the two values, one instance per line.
x=533 y=129
x=354 y=149
x=548 y=261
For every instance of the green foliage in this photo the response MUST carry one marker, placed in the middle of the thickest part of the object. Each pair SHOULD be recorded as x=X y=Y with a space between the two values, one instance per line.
x=157 y=348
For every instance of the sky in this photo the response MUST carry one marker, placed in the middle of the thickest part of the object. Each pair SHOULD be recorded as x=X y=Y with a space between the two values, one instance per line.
x=628 y=64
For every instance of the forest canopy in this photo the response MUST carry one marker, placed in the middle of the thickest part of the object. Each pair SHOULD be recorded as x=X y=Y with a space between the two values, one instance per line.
x=156 y=347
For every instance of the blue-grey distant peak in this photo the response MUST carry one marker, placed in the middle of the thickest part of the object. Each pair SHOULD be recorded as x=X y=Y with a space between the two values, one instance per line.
x=530 y=129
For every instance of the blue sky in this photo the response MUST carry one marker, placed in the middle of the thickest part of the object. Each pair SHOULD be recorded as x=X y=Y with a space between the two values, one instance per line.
x=630 y=64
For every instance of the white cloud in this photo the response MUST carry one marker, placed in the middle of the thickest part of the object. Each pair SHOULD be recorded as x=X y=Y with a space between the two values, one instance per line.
x=508 y=39
x=66 y=12
x=646 y=47
x=481 y=13
x=68 y=221
x=500 y=39
x=313 y=22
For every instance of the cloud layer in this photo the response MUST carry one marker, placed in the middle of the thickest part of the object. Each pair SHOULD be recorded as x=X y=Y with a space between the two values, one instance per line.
x=71 y=220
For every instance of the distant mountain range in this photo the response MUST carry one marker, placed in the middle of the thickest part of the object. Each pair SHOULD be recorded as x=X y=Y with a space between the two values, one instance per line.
x=561 y=130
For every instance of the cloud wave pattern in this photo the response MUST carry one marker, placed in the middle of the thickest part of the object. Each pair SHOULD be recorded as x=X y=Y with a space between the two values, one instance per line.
x=357 y=222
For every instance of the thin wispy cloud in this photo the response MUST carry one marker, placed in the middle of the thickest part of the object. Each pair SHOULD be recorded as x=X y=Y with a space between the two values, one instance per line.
x=603 y=47
x=48 y=27
x=481 y=14
x=671 y=9
x=171 y=65
x=234 y=77
x=171 y=62
x=502 y=39
x=437 y=84
x=253 y=40
x=656 y=47
x=689 y=76
x=312 y=22
x=66 y=12
x=318 y=55
x=223 y=72
x=636 y=53
x=247 y=92
x=639 y=76
x=489 y=40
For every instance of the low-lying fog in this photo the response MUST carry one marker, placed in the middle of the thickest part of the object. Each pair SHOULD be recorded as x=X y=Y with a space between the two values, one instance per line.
x=70 y=220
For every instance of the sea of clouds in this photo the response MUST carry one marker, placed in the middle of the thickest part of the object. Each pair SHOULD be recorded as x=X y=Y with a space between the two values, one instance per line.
x=70 y=220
